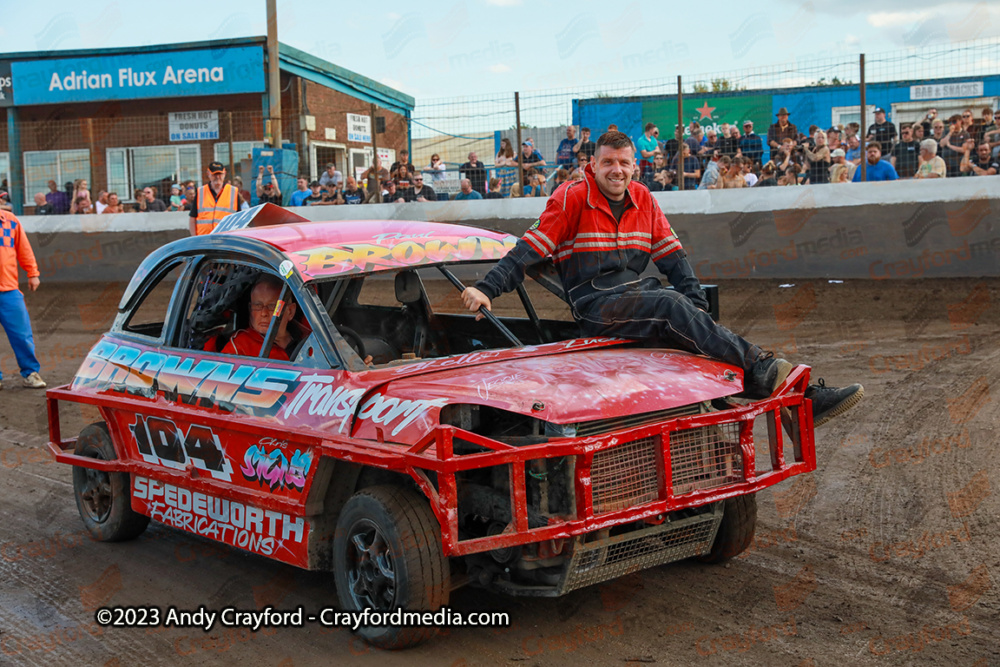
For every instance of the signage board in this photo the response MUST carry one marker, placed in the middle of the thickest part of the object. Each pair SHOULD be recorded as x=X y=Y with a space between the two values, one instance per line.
x=194 y=125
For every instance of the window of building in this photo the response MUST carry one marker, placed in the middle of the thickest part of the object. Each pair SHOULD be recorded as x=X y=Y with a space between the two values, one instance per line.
x=5 y=171
x=241 y=149
x=63 y=167
x=131 y=169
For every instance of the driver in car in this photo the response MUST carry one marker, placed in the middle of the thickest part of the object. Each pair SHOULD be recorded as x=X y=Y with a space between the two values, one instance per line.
x=263 y=300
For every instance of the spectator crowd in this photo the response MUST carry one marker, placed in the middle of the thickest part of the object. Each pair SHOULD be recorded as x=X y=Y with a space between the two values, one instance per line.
x=730 y=157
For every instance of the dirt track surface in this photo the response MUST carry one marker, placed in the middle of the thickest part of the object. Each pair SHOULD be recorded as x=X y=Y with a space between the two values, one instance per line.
x=888 y=554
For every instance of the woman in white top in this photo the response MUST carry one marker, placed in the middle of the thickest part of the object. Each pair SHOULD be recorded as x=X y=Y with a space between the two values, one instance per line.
x=436 y=168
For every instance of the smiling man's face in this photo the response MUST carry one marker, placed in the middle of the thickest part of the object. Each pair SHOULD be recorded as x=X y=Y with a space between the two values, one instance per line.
x=613 y=170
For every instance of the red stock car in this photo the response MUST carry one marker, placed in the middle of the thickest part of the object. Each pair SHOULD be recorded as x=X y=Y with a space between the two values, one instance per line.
x=405 y=446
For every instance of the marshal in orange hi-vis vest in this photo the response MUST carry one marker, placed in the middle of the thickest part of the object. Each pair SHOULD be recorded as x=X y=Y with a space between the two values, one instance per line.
x=212 y=210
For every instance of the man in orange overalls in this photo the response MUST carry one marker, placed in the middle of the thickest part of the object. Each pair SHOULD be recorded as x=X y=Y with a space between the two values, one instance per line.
x=15 y=250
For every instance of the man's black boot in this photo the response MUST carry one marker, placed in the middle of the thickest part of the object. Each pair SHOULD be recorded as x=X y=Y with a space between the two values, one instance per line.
x=766 y=375
x=829 y=402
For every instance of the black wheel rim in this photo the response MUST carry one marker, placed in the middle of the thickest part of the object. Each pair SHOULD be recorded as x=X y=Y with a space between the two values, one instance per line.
x=96 y=494
x=370 y=575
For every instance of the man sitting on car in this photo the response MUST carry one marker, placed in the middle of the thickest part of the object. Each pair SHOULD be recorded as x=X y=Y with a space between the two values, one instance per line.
x=263 y=300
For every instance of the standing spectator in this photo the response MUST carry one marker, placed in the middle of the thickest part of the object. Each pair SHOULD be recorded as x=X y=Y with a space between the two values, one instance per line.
x=494 y=190
x=561 y=176
x=983 y=164
x=882 y=130
x=475 y=171
x=669 y=148
x=931 y=164
x=780 y=130
x=991 y=133
x=153 y=205
x=767 y=179
x=315 y=195
x=506 y=165
x=57 y=199
x=437 y=168
x=647 y=146
x=375 y=176
x=81 y=193
x=564 y=153
x=751 y=145
x=114 y=205
x=748 y=175
x=918 y=132
x=403 y=178
x=905 y=156
x=878 y=169
x=530 y=158
x=467 y=191
x=937 y=131
x=5 y=204
x=729 y=143
x=15 y=250
x=951 y=147
x=419 y=192
x=818 y=159
x=711 y=144
x=42 y=206
x=244 y=194
x=713 y=168
x=978 y=125
x=268 y=191
x=352 y=194
x=585 y=145
x=102 y=201
x=687 y=167
x=298 y=197
x=404 y=160
x=853 y=149
x=331 y=176
x=968 y=120
x=927 y=120
x=696 y=140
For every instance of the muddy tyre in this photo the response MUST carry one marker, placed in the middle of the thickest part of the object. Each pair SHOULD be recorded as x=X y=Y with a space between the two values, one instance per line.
x=739 y=522
x=387 y=555
x=104 y=498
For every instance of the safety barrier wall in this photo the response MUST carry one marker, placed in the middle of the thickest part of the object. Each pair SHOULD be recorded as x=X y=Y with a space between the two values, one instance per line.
x=903 y=229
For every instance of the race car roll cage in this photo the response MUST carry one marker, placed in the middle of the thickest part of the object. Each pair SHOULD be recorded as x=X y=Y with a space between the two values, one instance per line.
x=432 y=463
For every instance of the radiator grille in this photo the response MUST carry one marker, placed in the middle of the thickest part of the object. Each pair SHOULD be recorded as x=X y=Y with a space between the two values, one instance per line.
x=618 y=556
x=625 y=476
x=705 y=458
x=629 y=421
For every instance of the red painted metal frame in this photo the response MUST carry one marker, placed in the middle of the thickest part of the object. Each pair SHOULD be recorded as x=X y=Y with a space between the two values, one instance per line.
x=435 y=454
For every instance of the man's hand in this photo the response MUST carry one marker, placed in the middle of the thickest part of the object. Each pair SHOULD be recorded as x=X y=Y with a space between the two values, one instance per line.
x=474 y=300
x=33 y=283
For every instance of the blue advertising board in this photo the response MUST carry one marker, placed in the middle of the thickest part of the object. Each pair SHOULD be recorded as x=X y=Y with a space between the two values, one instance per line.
x=220 y=71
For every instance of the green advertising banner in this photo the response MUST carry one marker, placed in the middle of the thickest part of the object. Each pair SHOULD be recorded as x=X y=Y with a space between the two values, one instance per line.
x=710 y=111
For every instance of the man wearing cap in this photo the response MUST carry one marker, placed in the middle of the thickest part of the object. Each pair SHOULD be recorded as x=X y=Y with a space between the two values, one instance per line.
x=781 y=130
x=215 y=200
x=268 y=191
x=529 y=157
x=751 y=145
x=882 y=130
x=15 y=250
x=330 y=177
x=839 y=162
x=315 y=196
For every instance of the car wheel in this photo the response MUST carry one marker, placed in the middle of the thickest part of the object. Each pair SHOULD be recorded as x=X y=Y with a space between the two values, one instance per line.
x=739 y=521
x=387 y=555
x=104 y=498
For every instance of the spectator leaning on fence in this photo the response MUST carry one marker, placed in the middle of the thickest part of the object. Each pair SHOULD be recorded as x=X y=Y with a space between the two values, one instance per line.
x=981 y=164
x=882 y=130
x=747 y=169
x=565 y=152
x=315 y=196
x=467 y=192
x=878 y=169
x=352 y=194
x=647 y=145
x=436 y=168
x=905 y=156
x=751 y=145
x=475 y=171
x=931 y=165
x=687 y=167
x=710 y=177
x=330 y=176
x=404 y=160
x=114 y=204
x=853 y=153
x=529 y=157
x=731 y=174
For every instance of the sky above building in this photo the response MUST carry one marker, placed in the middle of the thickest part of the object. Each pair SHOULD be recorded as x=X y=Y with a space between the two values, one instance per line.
x=450 y=48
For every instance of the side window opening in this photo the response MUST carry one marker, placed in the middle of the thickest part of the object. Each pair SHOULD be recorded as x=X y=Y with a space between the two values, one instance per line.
x=149 y=316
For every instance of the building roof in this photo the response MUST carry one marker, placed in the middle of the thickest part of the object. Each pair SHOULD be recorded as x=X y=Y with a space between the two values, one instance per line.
x=291 y=60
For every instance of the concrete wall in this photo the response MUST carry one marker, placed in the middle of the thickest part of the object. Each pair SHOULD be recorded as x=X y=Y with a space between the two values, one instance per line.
x=903 y=229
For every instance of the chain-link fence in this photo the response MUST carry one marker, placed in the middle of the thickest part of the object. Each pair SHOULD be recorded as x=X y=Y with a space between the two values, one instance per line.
x=924 y=85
